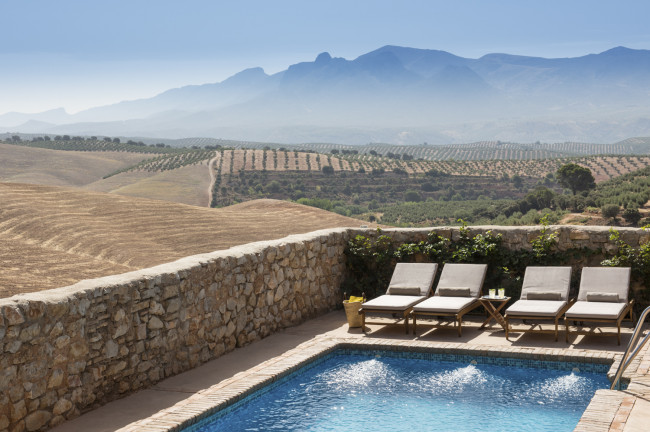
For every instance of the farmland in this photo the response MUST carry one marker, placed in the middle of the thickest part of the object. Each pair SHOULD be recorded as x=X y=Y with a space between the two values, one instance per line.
x=372 y=182
x=54 y=236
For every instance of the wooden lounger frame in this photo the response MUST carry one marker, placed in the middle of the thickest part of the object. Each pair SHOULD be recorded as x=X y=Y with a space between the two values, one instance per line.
x=405 y=316
x=555 y=318
x=628 y=310
x=457 y=315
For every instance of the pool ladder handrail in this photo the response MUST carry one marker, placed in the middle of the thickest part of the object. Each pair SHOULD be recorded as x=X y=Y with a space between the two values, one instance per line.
x=629 y=355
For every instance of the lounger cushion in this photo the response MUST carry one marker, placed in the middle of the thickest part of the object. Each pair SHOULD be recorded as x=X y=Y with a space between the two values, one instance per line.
x=535 y=308
x=392 y=302
x=411 y=275
x=403 y=290
x=602 y=297
x=454 y=292
x=595 y=310
x=462 y=275
x=547 y=279
x=605 y=280
x=444 y=304
x=544 y=295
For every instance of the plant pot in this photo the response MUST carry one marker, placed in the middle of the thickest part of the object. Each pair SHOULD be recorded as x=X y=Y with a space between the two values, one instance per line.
x=352 y=313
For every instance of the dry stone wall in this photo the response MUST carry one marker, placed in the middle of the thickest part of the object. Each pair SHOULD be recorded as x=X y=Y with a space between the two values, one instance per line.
x=69 y=350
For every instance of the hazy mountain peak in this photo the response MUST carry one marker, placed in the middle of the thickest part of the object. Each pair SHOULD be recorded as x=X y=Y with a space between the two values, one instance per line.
x=323 y=57
x=424 y=93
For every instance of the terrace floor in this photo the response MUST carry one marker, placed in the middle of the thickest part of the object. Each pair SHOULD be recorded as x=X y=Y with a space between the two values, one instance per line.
x=184 y=396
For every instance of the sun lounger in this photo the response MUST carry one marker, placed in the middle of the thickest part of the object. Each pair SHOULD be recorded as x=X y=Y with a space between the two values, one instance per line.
x=544 y=296
x=603 y=297
x=457 y=293
x=410 y=284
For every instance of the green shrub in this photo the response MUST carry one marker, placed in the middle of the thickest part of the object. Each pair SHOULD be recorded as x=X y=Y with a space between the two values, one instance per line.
x=609 y=210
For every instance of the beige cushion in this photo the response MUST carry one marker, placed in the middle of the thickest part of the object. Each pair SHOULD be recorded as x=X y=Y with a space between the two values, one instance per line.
x=454 y=292
x=551 y=278
x=602 y=297
x=544 y=295
x=535 y=308
x=392 y=302
x=443 y=304
x=605 y=280
x=595 y=310
x=411 y=275
x=400 y=290
x=462 y=275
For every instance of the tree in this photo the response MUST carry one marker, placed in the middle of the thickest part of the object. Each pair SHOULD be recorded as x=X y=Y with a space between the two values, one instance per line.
x=632 y=216
x=412 y=196
x=517 y=181
x=575 y=177
x=609 y=211
x=328 y=170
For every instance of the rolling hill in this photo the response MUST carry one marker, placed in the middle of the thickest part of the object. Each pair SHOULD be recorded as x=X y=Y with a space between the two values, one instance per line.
x=55 y=236
x=204 y=176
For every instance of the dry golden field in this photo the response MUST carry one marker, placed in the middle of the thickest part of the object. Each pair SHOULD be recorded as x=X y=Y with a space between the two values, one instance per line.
x=60 y=168
x=55 y=236
x=184 y=185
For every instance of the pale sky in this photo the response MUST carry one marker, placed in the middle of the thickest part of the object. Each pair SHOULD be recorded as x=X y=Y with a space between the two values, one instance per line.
x=77 y=54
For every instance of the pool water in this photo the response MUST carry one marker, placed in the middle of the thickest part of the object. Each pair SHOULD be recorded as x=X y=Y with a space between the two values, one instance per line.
x=354 y=392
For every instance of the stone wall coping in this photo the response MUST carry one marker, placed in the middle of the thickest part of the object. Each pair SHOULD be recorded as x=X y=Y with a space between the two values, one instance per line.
x=89 y=286
x=184 y=264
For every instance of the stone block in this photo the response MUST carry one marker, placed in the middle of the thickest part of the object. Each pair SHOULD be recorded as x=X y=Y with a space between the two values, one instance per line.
x=12 y=315
x=37 y=420
x=62 y=406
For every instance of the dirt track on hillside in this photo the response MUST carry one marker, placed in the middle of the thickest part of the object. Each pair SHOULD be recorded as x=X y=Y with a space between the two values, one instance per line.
x=54 y=236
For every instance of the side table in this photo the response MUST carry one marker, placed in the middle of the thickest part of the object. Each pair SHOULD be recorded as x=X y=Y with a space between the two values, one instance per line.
x=494 y=311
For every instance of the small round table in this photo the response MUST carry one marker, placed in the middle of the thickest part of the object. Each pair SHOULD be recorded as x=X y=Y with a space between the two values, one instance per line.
x=494 y=311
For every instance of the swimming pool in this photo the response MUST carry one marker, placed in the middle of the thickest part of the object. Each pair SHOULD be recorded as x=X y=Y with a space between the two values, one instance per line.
x=396 y=391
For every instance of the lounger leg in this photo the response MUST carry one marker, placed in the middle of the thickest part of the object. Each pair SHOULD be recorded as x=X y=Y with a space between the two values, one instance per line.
x=460 y=326
x=406 y=323
x=556 y=331
x=566 y=332
x=619 y=333
x=414 y=323
x=507 y=326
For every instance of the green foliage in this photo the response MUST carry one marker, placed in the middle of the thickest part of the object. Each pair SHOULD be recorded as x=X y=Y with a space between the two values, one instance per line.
x=631 y=190
x=320 y=203
x=544 y=244
x=371 y=263
x=412 y=196
x=575 y=177
x=609 y=210
x=632 y=216
x=638 y=258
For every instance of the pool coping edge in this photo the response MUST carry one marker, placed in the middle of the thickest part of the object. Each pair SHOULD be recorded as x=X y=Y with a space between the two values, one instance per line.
x=604 y=409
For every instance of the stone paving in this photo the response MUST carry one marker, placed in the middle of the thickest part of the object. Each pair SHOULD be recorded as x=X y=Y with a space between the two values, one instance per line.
x=189 y=397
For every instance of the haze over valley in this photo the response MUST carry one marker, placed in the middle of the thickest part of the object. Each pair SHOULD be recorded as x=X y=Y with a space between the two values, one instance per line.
x=393 y=95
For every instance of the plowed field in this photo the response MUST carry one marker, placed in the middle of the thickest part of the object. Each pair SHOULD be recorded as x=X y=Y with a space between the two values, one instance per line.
x=53 y=236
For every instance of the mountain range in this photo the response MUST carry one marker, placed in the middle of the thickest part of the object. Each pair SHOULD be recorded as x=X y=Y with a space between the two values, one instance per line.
x=394 y=95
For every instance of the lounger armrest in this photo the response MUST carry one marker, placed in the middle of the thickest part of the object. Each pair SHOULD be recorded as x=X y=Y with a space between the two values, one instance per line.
x=628 y=308
x=568 y=305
